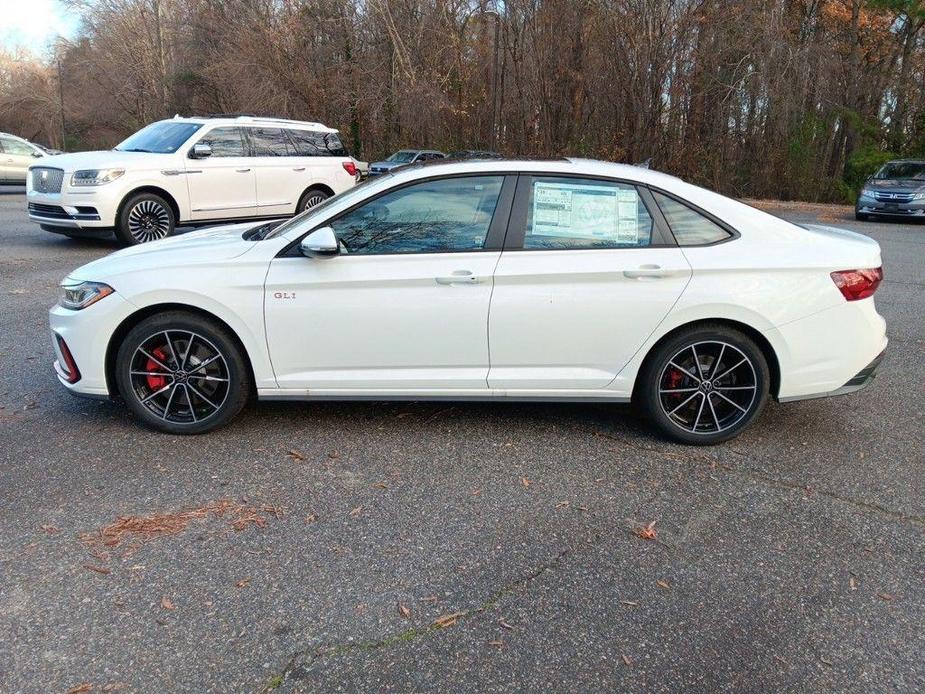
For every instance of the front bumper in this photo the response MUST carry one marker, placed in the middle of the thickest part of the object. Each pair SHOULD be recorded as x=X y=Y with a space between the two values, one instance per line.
x=74 y=209
x=870 y=206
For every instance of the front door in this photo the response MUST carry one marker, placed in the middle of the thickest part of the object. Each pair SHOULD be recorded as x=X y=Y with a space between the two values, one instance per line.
x=584 y=279
x=222 y=185
x=404 y=308
x=15 y=159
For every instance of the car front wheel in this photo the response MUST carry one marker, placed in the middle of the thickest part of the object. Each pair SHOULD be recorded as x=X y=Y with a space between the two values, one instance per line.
x=704 y=385
x=181 y=373
x=145 y=217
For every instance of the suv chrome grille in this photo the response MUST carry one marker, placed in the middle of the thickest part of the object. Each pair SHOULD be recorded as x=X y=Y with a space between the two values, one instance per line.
x=893 y=197
x=47 y=180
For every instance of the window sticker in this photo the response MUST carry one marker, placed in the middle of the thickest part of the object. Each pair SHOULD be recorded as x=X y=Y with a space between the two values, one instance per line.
x=575 y=210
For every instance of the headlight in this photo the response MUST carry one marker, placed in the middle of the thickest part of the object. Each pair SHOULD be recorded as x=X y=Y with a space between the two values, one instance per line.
x=79 y=296
x=867 y=193
x=919 y=196
x=95 y=177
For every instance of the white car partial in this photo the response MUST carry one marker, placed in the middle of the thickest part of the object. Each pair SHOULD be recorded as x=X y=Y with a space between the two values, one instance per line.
x=568 y=280
x=189 y=171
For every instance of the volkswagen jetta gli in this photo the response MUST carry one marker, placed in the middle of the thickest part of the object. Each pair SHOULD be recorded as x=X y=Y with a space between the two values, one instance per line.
x=564 y=281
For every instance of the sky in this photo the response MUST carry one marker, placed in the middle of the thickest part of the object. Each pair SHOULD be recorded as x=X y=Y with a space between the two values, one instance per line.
x=31 y=25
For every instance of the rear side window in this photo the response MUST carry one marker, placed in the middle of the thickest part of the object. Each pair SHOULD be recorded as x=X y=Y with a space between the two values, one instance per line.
x=310 y=143
x=270 y=142
x=225 y=142
x=690 y=228
x=577 y=213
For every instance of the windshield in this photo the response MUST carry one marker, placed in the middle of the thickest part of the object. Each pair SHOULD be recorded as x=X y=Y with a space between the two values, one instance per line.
x=306 y=218
x=403 y=157
x=165 y=137
x=903 y=169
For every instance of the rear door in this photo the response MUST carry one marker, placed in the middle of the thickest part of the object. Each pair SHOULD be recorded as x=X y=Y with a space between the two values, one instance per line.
x=15 y=159
x=222 y=185
x=281 y=174
x=586 y=276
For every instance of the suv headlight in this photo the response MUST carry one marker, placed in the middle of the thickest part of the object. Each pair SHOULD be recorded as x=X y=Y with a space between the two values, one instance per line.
x=867 y=193
x=95 y=177
x=919 y=196
x=79 y=296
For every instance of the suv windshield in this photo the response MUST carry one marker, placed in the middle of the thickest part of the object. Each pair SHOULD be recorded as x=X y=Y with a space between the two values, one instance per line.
x=165 y=137
x=402 y=157
x=903 y=169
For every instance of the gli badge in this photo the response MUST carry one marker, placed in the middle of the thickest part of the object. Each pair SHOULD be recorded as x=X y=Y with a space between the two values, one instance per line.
x=284 y=295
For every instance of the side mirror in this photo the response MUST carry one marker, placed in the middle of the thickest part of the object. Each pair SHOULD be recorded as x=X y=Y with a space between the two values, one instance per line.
x=321 y=243
x=201 y=151
x=37 y=154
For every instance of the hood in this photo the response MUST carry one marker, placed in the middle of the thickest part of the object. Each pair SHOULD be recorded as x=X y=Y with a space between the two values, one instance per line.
x=201 y=247
x=896 y=185
x=386 y=165
x=101 y=160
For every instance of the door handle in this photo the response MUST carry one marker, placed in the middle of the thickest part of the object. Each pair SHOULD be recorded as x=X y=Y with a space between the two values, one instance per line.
x=242 y=170
x=647 y=271
x=298 y=168
x=459 y=277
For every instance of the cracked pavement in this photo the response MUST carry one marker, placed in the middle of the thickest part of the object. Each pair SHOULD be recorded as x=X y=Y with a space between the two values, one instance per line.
x=792 y=558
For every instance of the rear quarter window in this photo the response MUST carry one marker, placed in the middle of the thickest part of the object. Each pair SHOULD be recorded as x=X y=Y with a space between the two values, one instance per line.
x=689 y=227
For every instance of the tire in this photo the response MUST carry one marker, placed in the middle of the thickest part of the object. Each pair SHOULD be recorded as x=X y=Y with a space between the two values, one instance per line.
x=712 y=409
x=310 y=198
x=145 y=217
x=190 y=385
x=860 y=217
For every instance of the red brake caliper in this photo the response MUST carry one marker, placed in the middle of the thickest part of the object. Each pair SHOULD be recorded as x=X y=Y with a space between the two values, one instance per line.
x=156 y=382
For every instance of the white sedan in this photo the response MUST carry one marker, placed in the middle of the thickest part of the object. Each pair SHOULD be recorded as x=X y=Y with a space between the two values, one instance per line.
x=564 y=280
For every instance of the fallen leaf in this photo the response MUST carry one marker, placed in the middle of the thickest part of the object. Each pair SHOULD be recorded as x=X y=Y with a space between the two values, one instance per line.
x=524 y=481
x=98 y=569
x=429 y=598
x=404 y=610
x=885 y=596
x=629 y=602
x=49 y=529
x=648 y=532
x=167 y=603
x=380 y=485
x=80 y=688
x=852 y=584
x=295 y=454
x=499 y=643
x=243 y=582
x=663 y=584
x=355 y=513
x=627 y=660
x=448 y=620
x=505 y=624
x=562 y=504
x=333 y=454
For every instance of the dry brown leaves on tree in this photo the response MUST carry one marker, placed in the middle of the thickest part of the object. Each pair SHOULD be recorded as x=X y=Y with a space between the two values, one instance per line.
x=141 y=529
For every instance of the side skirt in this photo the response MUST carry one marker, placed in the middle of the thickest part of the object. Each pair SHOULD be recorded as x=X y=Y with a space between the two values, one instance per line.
x=305 y=395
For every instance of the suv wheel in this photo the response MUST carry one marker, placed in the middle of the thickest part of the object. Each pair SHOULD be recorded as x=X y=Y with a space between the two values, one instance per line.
x=145 y=217
x=310 y=198
x=182 y=374
x=705 y=385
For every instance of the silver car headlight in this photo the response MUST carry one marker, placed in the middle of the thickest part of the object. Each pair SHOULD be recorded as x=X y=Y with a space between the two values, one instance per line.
x=78 y=296
x=919 y=196
x=867 y=193
x=95 y=177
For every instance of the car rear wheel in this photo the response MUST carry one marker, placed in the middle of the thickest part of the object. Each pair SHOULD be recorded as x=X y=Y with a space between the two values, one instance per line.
x=704 y=385
x=145 y=217
x=182 y=374
x=310 y=198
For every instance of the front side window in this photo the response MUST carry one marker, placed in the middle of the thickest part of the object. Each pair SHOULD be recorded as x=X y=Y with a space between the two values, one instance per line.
x=448 y=215
x=690 y=228
x=225 y=142
x=270 y=142
x=11 y=146
x=576 y=213
x=165 y=137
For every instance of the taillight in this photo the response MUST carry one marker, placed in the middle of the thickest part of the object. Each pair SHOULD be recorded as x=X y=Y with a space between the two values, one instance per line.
x=69 y=367
x=858 y=284
x=350 y=168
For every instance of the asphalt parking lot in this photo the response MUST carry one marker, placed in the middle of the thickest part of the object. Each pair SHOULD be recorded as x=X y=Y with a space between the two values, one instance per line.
x=468 y=547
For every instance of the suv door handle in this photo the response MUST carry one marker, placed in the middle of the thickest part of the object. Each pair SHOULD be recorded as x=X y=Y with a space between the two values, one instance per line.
x=647 y=271
x=242 y=170
x=459 y=277
x=298 y=168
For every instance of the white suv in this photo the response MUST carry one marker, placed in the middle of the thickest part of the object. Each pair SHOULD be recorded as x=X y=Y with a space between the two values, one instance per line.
x=190 y=171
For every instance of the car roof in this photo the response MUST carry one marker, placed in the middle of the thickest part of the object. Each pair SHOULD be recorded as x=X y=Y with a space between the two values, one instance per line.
x=246 y=119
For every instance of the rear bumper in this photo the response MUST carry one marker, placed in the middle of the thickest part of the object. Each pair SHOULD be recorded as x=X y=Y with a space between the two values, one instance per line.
x=861 y=380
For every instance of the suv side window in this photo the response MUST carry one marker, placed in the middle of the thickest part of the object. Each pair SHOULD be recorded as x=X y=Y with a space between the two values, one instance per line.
x=450 y=215
x=225 y=142
x=11 y=146
x=690 y=228
x=270 y=142
x=577 y=213
x=311 y=143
